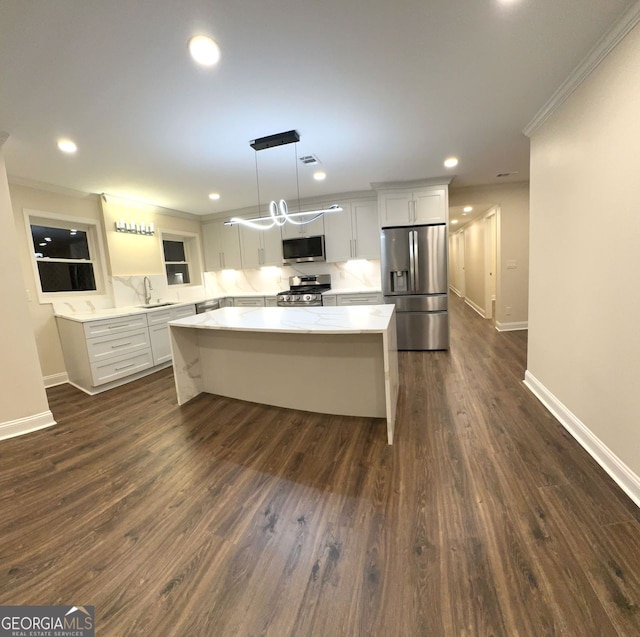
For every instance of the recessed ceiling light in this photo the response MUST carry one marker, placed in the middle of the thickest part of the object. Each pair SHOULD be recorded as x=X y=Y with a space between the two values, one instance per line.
x=467 y=209
x=214 y=196
x=451 y=162
x=67 y=146
x=48 y=239
x=319 y=175
x=43 y=243
x=454 y=221
x=204 y=50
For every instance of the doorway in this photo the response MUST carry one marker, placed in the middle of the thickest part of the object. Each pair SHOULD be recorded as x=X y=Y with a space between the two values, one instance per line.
x=491 y=262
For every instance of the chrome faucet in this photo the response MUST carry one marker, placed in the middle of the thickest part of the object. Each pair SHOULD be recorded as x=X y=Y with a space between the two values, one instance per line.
x=147 y=293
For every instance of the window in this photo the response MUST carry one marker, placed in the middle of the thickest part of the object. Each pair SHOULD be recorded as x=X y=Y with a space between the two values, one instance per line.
x=176 y=261
x=63 y=256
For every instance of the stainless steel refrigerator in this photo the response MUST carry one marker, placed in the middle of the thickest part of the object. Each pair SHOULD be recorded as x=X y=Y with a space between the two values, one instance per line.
x=414 y=277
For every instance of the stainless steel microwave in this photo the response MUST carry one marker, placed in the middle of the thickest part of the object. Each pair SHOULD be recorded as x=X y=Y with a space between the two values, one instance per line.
x=303 y=249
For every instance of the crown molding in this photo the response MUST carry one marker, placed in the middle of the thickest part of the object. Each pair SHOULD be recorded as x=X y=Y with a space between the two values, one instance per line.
x=413 y=183
x=600 y=51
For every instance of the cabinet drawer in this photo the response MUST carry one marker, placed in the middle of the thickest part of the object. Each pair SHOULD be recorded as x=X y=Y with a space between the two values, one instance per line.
x=182 y=312
x=158 y=318
x=360 y=299
x=329 y=299
x=249 y=302
x=104 y=347
x=271 y=301
x=114 y=325
x=116 y=368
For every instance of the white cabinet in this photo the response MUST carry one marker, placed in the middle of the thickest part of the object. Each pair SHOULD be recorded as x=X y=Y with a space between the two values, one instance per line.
x=408 y=208
x=104 y=351
x=353 y=233
x=260 y=247
x=360 y=298
x=354 y=298
x=159 y=332
x=221 y=246
x=312 y=229
x=248 y=301
x=271 y=301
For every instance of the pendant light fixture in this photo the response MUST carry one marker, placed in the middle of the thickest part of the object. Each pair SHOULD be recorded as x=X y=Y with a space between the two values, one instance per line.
x=279 y=212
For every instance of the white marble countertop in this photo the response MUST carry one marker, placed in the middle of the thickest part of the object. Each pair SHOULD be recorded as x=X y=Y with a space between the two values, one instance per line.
x=356 y=319
x=113 y=312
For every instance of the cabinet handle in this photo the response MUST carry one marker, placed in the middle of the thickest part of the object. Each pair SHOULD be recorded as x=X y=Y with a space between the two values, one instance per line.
x=125 y=366
x=355 y=248
x=121 y=345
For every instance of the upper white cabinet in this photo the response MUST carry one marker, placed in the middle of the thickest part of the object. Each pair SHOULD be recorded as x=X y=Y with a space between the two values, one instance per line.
x=221 y=246
x=352 y=233
x=408 y=208
x=260 y=247
x=312 y=229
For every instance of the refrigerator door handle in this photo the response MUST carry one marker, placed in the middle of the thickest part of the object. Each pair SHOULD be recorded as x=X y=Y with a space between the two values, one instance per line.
x=416 y=262
x=412 y=263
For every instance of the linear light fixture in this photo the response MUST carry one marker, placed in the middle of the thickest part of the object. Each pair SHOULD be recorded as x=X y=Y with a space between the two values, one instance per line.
x=279 y=212
x=279 y=215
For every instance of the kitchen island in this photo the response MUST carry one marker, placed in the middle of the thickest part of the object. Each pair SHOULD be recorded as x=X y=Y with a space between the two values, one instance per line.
x=332 y=360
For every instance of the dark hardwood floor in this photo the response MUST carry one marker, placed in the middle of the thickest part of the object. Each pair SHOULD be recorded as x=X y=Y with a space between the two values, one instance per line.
x=224 y=518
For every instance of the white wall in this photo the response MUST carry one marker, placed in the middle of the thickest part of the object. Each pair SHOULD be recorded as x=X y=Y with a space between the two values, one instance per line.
x=23 y=401
x=584 y=348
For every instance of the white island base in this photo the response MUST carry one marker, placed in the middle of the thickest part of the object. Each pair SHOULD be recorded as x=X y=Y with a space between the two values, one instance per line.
x=331 y=360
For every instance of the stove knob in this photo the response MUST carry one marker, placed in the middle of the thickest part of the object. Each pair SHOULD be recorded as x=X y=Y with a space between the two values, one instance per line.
x=308 y=297
x=285 y=297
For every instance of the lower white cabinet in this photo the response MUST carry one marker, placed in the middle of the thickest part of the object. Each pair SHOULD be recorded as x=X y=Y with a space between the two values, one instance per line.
x=99 y=354
x=105 y=353
x=271 y=301
x=355 y=298
x=159 y=332
x=248 y=301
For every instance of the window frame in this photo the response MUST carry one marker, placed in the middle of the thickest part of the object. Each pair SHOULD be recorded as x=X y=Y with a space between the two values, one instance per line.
x=96 y=252
x=191 y=252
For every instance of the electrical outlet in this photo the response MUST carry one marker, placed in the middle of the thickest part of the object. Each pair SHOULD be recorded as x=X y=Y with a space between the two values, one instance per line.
x=28 y=296
x=511 y=264
x=508 y=310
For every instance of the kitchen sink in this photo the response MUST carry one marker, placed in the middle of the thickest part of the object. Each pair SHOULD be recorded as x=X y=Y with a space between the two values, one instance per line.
x=152 y=305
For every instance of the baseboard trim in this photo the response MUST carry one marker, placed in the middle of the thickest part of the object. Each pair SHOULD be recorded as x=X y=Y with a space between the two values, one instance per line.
x=55 y=379
x=456 y=291
x=512 y=327
x=475 y=307
x=21 y=426
x=626 y=479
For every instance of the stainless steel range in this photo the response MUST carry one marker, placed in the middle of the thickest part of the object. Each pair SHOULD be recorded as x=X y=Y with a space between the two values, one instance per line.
x=305 y=291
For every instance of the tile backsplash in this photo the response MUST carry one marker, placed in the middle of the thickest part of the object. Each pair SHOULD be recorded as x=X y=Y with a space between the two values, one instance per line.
x=127 y=291
x=352 y=275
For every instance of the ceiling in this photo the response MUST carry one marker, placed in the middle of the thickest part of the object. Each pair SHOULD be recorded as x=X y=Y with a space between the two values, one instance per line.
x=379 y=91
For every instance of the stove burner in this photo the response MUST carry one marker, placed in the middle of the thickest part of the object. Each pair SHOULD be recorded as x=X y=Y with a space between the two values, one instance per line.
x=305 y=291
